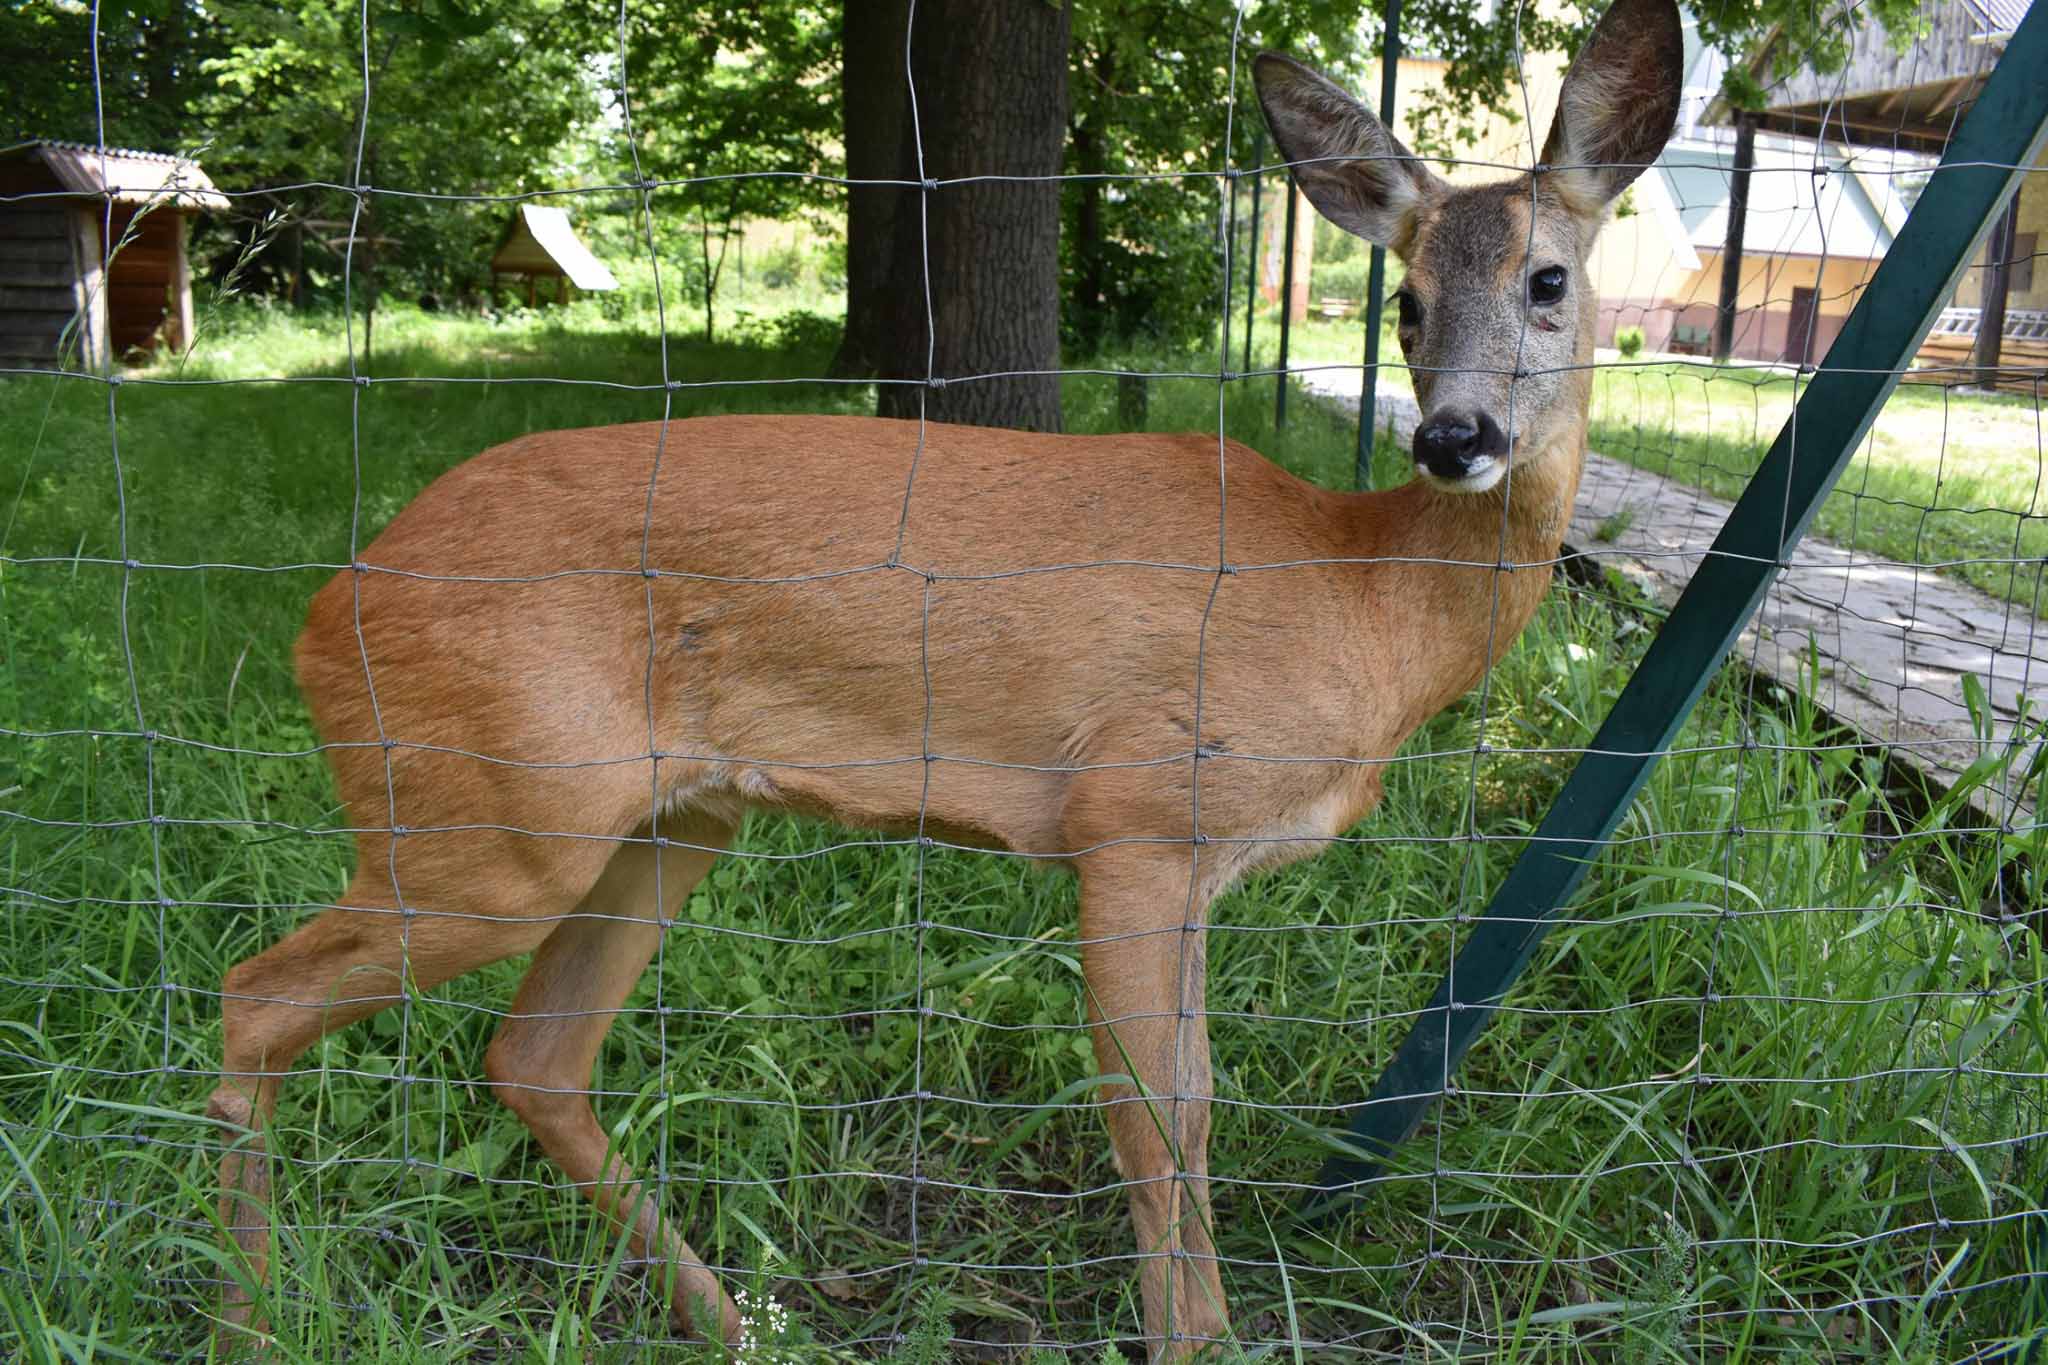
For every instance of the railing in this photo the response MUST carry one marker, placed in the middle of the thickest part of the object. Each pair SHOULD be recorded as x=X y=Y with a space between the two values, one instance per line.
x=2021 y=324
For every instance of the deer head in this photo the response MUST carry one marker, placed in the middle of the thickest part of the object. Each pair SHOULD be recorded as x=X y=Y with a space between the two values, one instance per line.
x=1496 y=309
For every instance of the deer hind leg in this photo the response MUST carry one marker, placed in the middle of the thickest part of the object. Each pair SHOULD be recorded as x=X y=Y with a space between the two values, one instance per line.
x=1143 y=959
x=540 y=1063
x=472 y=905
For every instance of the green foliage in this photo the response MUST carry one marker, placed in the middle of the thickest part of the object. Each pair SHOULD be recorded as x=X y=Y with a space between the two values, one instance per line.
x=464 y=100
x=1344 y=279
x=1800 y=34
x=150 y=56
x=1629 y=341
x=722 y=93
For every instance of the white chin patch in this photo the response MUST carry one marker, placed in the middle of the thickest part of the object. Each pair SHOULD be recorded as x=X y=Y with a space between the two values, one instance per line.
x=1478 y=480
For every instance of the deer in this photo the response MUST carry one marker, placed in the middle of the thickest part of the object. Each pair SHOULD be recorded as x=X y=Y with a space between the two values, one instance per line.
x=550 y=689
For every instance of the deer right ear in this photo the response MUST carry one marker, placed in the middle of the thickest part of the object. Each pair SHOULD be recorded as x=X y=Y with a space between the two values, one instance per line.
x=1313 y=121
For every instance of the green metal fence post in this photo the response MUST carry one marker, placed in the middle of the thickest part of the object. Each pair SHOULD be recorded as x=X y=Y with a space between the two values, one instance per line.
x=1286 y=304
x=1376 y=273
x=1251 y=279
x=1998 y=142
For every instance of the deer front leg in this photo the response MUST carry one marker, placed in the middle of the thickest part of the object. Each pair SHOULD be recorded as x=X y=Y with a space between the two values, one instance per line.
x=1142 y=954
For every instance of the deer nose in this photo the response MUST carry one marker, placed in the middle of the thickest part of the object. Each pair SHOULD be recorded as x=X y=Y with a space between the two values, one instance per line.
x=1453 y=445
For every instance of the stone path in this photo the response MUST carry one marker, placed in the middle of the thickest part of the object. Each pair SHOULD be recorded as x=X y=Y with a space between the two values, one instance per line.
x=1894 y=641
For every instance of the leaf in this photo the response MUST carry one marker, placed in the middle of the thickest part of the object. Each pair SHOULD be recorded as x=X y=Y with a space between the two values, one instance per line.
x=1956 y=1150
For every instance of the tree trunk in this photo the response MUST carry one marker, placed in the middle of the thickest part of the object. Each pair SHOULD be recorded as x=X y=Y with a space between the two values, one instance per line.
x=984 y=259
x=874 y=104
x=365 y=232
x=1090 y=320
x=298 y=284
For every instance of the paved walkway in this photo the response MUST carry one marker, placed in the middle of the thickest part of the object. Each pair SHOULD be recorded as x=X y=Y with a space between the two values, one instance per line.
x=1894 y=641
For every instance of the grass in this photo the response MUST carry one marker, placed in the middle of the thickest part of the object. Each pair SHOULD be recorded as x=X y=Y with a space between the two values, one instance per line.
x=1763 y=1094
x=1946 y=480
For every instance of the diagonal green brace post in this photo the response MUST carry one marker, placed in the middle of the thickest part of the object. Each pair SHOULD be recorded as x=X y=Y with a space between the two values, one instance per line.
x=2003 y=134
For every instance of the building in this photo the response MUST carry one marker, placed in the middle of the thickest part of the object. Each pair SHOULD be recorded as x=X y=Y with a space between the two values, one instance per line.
x=93 y=265
x=1897 y=106
x=1815 y=229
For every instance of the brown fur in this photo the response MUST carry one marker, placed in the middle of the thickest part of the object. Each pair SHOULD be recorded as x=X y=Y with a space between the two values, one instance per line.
x=1012 y=663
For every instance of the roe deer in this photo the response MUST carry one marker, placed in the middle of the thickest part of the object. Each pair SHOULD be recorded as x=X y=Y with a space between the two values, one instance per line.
x=1059 y=646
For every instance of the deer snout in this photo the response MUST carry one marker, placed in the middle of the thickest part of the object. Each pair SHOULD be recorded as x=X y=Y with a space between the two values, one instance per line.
x=1455 y=447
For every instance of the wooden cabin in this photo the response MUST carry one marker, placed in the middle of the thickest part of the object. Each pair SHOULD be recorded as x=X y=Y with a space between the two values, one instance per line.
x=93 y=261
x=539 y=244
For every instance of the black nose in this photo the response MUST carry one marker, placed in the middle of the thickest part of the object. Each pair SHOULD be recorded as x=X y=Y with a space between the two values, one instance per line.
x=1449 y=444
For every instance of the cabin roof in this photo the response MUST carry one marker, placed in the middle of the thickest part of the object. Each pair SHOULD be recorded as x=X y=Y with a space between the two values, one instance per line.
x=133 y=177
x=541 y=241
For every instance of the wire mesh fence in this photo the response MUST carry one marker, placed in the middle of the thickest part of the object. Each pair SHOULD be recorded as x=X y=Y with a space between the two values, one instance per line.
x=1774 y=1085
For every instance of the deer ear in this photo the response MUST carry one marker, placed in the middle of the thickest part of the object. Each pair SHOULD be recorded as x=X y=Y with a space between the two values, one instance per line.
x=1312 y=121
x=1619 y=102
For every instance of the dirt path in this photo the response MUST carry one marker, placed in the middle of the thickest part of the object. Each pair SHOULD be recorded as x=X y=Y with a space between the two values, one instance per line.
x=1894 y=641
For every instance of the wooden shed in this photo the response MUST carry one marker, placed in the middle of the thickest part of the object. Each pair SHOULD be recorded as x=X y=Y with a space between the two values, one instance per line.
x=64 y=207
x=540 y=244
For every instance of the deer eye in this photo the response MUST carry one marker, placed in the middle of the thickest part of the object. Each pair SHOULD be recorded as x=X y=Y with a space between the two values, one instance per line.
x=1547 y=285
x=1411 y=309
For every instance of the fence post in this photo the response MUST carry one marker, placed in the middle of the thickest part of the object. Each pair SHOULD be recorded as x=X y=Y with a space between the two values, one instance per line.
x=1991 y=300
x=1984 y=164
x=1376 y=273
x=1131 y=405
x=1731 y=245
x=1286 y=309
x=1251 y=283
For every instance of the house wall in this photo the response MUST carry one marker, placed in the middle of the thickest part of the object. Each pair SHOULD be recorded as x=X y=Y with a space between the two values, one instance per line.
x=51 y=263
x=1763 y=322
x=2032 y=241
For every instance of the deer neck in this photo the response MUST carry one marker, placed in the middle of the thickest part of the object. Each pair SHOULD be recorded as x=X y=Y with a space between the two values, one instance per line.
x=1435 y=555
x=1520 y=521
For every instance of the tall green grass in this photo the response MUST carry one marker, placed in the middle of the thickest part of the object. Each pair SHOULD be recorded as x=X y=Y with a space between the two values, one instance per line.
x=1770 y=1091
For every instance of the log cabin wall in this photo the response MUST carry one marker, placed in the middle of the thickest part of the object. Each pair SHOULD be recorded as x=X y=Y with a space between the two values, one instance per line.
x=44 y=273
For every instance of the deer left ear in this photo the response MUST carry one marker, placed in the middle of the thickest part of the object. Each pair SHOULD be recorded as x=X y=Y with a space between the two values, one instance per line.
x=1619 y=102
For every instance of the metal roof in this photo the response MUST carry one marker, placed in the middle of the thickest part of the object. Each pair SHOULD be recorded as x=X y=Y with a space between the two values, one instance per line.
x=135 y=178
x=1792 y=210
x=2001 y=16
x=542 y=242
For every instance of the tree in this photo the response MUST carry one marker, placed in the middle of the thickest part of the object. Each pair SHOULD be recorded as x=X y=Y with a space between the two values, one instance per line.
x=874 y=109
x=150 y=55
x=974 y=276
x=722 y=92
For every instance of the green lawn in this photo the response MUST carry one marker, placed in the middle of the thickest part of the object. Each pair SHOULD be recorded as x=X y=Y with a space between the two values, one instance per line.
x=1762 y=1096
